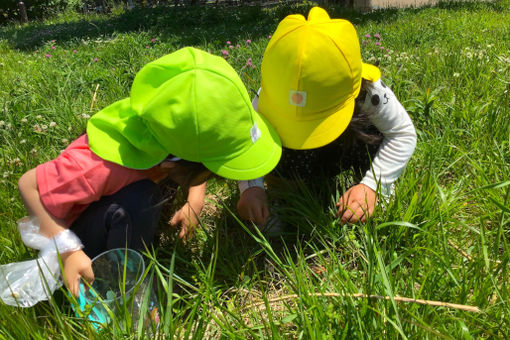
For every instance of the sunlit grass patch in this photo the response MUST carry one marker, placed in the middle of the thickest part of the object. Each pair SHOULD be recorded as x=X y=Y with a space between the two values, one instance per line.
x=442 y=237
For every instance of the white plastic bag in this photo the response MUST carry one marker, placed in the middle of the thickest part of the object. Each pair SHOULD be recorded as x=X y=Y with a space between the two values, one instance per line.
x=26 y=283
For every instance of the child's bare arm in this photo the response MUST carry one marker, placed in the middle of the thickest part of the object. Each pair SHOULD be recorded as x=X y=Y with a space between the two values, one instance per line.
x=49 y=224
x=188 y=217
x=76 y=264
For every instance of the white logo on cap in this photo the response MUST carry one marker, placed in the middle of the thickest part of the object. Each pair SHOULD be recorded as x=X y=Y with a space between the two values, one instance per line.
x=297 y=98
x=255 y=132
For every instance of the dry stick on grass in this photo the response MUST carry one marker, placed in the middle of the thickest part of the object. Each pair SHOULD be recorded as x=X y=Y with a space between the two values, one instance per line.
x=466 y=255
x=379 y=297
x=462 y=252
x=94 y=98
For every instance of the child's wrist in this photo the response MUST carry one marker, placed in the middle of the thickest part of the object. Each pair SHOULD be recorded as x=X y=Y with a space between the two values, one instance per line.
x=62 y=243
x=245 y=185
x=65 y=256
x=196 y=206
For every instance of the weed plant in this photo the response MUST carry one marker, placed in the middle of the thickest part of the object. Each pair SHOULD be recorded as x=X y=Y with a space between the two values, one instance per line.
x=443 y=236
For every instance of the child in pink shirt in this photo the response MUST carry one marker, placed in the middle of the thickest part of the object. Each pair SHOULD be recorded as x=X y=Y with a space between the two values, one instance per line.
x=188 y=116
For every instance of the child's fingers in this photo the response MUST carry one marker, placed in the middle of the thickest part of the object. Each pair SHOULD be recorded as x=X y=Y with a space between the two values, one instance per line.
x=183 y=235
x=88 y=274
x=343 y=204
x=255 y=216
x=173 y=221
x=358 y=215
x=265 y=214
x=73 y=285
x=350 y=214
x=259 y=215
x=176 y=219
x=342 y=207
x=346 y=216
x=340 y=203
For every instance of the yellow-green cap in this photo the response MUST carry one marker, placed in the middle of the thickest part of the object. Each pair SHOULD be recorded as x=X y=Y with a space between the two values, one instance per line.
x=192 y=105
x=310 y=76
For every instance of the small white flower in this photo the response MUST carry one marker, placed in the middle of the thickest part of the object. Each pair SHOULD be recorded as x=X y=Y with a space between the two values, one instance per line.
x=65 y=141
x=53 y=124
x=38 y=117
x=33 y=151
x=456 y=74
x=6 y=174
x=85 y=116
x=24 y=120
x=44 y=127
x=2 y=123
x=23 y=141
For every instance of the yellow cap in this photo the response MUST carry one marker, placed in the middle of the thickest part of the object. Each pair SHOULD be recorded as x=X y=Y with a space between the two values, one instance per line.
x=311 y=75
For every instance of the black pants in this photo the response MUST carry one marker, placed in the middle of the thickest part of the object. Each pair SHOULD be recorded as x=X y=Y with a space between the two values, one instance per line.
x=128 y=218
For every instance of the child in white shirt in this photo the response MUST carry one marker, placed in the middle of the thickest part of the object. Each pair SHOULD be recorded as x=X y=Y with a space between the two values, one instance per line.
x=332 y=112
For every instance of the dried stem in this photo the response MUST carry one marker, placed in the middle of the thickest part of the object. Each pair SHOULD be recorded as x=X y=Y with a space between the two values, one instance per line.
x=94 y=98
x=466 y=255
x=379 y=297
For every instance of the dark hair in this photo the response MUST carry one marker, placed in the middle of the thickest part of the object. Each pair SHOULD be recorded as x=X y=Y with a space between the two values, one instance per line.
x=360 y=128
x=191 y=170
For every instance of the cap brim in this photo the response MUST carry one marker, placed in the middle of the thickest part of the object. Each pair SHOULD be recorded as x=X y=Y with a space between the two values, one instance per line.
x=261 y=157
x=118 y=135
x=370 y=72
x=311 y=134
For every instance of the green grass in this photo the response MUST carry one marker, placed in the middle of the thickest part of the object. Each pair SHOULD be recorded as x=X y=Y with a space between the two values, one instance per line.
x=443 y=236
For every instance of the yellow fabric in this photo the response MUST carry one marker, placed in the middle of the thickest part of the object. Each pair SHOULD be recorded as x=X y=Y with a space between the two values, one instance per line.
x=370 y=72
x=311 y=75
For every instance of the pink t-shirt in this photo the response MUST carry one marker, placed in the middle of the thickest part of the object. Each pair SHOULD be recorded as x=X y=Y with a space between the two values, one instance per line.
x=78 y=177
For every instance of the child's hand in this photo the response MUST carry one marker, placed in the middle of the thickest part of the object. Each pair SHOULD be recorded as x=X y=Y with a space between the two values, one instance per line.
x=188 y=218
x=253 y=206
x=77 y=265
x=356 y=204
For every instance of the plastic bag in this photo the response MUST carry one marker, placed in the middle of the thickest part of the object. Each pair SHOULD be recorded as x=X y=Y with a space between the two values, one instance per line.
x=26 y=283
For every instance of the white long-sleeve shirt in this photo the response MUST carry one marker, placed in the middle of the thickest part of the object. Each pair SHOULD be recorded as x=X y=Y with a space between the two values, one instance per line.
x=388 y=115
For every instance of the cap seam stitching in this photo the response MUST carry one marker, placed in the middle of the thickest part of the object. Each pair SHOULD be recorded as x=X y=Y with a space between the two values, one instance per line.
x=343 y=55
x=280 y=38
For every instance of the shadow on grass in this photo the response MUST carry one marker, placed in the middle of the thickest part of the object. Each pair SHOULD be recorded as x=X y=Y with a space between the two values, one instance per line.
x=189 y=25
x=237 y=255
x=192 y=25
